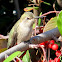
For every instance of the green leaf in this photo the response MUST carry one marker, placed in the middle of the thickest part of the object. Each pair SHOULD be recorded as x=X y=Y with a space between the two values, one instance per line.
x=28 y=8
x=51 y=24
x=21 y=54
x=47 y=3
x=39 y=20
x=26 y=57
x=59 y=22
x=36 y=8
x=12 y=56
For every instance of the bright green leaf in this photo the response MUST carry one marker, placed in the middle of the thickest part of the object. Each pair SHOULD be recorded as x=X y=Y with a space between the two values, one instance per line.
x=47 y=3
x=26 y=57
x=12 y=56
x=36 y=8
x=39 y=20
x=59 y=22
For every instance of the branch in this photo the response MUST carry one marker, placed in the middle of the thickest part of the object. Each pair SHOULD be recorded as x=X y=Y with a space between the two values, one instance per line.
x=4 y=37
x=45 y=36
x=34 y=40
x=50 y=12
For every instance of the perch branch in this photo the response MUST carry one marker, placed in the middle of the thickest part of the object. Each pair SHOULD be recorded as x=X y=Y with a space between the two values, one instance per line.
x=45 y=36
x=34 y=40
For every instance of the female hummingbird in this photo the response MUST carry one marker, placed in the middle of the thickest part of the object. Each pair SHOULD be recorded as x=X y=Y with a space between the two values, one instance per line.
x=22 y=30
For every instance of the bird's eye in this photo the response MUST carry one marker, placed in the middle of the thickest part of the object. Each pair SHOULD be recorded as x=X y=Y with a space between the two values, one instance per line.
x=28 y=18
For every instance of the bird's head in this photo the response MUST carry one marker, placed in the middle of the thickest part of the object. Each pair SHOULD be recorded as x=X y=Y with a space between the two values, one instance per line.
x=28 y=18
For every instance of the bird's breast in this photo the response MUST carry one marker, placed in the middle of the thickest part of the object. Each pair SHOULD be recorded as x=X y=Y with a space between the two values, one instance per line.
x=24 y=33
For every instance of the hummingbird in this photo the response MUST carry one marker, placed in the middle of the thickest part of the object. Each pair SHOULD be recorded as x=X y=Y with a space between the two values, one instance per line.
x=22 y=30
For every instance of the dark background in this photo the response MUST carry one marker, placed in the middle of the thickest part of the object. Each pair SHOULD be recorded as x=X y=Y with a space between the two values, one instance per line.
x=7 y=20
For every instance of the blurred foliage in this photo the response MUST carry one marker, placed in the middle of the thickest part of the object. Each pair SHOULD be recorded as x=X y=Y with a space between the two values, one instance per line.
x=7 y=18
x=26 y=57
x=12 y=56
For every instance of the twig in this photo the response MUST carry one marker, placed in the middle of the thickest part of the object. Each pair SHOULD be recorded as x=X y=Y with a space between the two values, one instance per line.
x=6 y=56
x=61 y=43
x=33 y=4
x=44 y=21
x=48 y=54
x=19 y=59
x=14 y=60
x=54 y=7
x=3 y=37
x=50 y=12
x=44 y=52
x=35 y=26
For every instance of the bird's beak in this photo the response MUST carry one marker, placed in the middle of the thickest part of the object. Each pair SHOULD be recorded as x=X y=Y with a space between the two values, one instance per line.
x=36 y=17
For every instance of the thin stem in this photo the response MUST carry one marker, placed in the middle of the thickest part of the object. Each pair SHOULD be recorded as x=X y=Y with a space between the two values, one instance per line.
x=48 y=54
x=35 y=26
x=44 y=21
x=19 y=59
x=3 y=37
x=50 y=12
x=44 y=52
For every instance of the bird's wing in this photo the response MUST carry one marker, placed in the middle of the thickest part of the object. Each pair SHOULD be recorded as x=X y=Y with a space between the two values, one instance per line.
x=12 y=38
x=13 y=35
